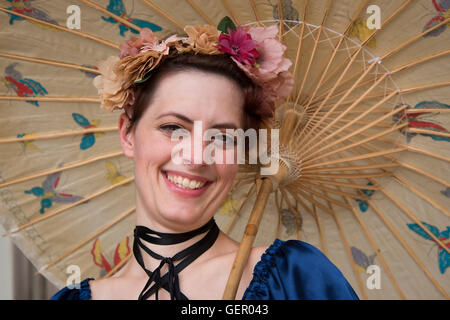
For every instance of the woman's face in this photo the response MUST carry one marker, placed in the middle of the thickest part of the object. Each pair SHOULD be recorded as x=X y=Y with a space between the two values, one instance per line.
x=173 y=196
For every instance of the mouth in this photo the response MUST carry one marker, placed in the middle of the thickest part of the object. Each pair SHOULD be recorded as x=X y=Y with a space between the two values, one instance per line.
x=184 y=184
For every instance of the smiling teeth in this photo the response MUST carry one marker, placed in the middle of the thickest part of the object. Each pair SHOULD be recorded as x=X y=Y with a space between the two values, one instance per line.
x=185 y=182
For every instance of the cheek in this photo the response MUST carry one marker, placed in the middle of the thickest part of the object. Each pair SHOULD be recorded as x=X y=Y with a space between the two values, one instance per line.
x=152 y=151
x=227 y=172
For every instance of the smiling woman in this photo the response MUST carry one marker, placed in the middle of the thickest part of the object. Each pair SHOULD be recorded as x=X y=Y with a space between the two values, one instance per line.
x=226 y=80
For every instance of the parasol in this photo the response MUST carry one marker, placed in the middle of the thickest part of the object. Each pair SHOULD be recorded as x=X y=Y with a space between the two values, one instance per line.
x=363 y=153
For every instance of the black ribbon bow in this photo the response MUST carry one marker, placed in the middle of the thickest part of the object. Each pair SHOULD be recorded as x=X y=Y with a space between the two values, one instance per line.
x=170 y=280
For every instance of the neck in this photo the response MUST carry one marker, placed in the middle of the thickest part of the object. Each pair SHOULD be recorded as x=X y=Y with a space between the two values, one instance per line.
x=165 y=250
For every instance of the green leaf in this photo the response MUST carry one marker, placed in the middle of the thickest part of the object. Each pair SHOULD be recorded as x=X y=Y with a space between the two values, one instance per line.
x=143 y=79
x=225 y=24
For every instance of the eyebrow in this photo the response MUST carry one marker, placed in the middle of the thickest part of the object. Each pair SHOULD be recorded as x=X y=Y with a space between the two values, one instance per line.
x=186 y=119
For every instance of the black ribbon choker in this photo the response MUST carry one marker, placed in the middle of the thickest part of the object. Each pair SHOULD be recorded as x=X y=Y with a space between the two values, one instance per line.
x=170 y=280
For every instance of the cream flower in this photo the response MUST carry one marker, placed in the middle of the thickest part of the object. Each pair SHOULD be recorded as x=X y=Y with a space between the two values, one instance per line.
x=107 y=83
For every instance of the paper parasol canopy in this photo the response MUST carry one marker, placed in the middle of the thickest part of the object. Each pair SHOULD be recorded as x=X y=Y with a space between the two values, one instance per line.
x=364 y=137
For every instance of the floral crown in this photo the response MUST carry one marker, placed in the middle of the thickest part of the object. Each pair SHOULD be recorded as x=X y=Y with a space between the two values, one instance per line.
x=255 y=50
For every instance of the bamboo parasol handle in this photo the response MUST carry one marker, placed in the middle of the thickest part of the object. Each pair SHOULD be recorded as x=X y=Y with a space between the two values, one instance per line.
x=247 y=240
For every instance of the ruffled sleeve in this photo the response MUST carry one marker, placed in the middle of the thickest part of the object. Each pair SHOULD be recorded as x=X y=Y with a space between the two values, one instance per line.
x=82 y=293
x=296 y=270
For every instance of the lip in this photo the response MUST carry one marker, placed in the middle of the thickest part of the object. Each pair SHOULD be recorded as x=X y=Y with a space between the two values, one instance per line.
x=185 y=192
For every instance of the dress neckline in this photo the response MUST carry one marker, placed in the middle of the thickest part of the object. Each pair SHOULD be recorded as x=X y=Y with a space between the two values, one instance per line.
x=259 y=273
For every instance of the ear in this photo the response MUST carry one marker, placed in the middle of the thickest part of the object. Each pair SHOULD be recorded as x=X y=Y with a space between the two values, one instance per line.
x=126 y=137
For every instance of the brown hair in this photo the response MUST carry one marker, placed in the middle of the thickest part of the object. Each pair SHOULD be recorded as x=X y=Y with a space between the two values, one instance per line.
x=219 y=64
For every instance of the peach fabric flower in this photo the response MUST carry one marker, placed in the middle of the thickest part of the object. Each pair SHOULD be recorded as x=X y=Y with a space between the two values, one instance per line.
x=204 y=37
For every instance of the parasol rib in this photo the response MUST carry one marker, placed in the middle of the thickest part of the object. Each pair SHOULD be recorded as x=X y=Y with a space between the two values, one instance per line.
x=280 y=21
x=364 y=74
x=421 y=194
x=370 y=37
x=349 y=254
x=309 y=155
x=119 y=265
x=403 y=242
x=402 y=92
x=204 y=16
x=428 y=153
x=308 y=145
x=83 y=242
x=368 y=139
x=374 y=247
x=407 y=212
x=400 y=238
x=279 y=214
x=404 y=164
x=78 y=33
x=255 y=12
x=319 y=32
x=314 y=214
x=359 y=157
x=398 y=69
x=326 y=197
x=52 y=99
x=57 y=135
x=294 y=211
x=49 y=62
x=63 y=209
x=408 y=249
x=48 y=172
x=250 y=193
x=430 y=132
x=163 y=14
x=321 y=235
x=379 y=255
x=333 y=53
x=230 y=11
x=299 y=50
x=321 y=186
x=345 y=176
x=116 y=17
x=352 y=168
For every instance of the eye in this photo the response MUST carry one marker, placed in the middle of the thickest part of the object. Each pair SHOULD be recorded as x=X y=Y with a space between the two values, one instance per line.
x=170 y=127
x=225 y=140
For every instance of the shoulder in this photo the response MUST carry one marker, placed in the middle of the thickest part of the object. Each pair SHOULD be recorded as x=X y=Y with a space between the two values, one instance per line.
x=79 y=291
x=294 y=269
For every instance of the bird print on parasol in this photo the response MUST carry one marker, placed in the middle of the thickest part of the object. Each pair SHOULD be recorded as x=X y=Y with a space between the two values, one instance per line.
x=23 y=87
x=121 y=252
x=88 y=139
x=28 y=144
x=48 y=195
x=27 y=8
x=117 y=7
x=444 y=236
x=424 y=120
x=443 y=9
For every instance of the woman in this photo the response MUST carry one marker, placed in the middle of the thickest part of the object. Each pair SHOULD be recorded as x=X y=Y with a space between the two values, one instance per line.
x=227 y=80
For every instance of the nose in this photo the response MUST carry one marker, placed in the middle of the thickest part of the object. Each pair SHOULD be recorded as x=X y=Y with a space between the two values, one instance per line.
x=195 y=158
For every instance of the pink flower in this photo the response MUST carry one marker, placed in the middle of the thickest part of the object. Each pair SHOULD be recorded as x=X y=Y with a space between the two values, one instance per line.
x=240 y=45
x=259 y=34
x=271 y=60
x=133 y=46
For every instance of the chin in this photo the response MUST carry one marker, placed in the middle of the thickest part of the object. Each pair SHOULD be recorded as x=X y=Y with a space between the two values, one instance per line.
x=185 y=218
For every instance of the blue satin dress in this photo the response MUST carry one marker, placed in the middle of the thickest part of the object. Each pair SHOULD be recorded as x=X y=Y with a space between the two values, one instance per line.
x=288 y=270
